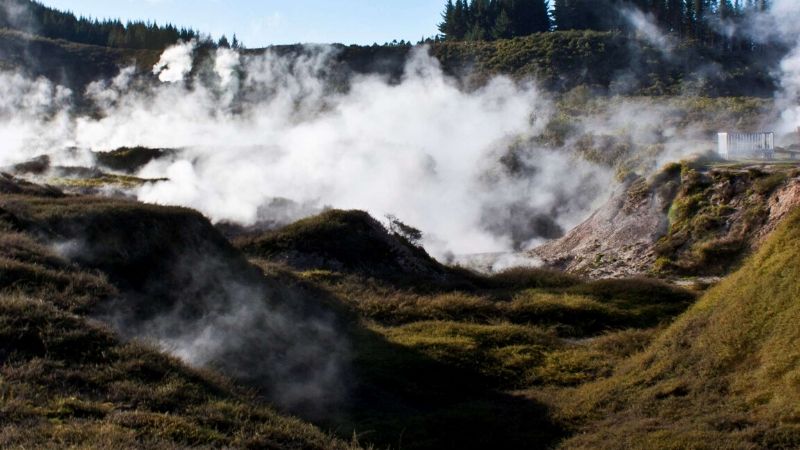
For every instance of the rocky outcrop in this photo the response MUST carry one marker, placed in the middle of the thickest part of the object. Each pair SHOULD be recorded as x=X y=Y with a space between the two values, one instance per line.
x=618 y=239
x=689 y=220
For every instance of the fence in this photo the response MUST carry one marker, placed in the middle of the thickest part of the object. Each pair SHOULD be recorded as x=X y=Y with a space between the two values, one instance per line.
x=747 y=145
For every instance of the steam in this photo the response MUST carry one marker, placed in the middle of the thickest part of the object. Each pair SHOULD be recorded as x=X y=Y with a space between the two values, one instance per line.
x=471 y=169
x=423 y=149
x=34 y=115
x=175 y=63
x=273 y=138
x=202 y=302
x=785 y=16
x=647 y=28
x=225 y=65
x=271 y=337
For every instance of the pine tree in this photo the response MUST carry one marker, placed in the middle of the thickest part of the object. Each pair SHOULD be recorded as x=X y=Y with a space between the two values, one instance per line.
x=460 y=20
x=503 y=27
x=724 y=9
x=564 y=14
x=675 y=16
x=482 y=20
x=446 y=26
x=530 y=16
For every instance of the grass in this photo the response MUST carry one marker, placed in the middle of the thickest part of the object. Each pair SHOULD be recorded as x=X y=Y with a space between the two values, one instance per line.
x=66 y=381
x=121 y=181
x=506 y=355
x=437 y=357
x=724 y=375
x=577 y=309
x=435 y=361
x=129 y=160
x=341 y=240
x=441 y=353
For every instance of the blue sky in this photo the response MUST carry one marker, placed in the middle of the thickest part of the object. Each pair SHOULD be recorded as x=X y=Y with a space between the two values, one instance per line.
x=265 y=22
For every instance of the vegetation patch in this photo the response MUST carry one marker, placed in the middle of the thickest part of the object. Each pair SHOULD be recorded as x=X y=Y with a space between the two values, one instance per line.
x=129 y=160
x=343 y=240
x=430 y=355
x=723 y=375
x=714 y=217
x=67 y=381
x=103 y=180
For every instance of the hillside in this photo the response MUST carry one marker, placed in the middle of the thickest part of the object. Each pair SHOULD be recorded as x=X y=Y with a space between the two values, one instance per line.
x=559 y=61
x=69 y=380
x=694 y=219
x=724 y=375
x=342 y=241
x=174 y=272
x=411 y=358
x=437 y=358
x=69 y=64
x=524 y=358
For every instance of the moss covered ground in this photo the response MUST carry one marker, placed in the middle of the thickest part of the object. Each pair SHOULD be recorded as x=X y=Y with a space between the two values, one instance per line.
x=527 y=358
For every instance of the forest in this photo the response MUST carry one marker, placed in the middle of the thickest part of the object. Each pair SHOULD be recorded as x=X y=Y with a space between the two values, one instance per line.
x=35 y=18
x=707 y=21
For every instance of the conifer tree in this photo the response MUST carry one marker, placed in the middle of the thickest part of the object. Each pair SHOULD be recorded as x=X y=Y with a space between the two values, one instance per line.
x=503 y=27
x=446 y=26
x=460 y=20
x=530 y=16
x=563 y=13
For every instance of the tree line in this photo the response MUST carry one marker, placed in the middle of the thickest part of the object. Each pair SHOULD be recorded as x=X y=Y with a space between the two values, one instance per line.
x=501 y=19
x=35 y=18
x=479 y=20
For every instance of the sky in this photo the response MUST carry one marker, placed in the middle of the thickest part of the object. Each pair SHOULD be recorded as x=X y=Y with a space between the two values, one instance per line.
x=260 y=23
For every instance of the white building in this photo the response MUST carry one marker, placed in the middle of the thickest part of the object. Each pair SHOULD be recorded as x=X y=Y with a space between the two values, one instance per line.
x=746 y=145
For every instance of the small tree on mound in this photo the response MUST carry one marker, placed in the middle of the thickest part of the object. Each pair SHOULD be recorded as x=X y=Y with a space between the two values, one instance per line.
x=411 y=234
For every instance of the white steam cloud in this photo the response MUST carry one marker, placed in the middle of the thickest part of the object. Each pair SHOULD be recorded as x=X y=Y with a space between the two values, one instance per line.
x=175 y=63
x=422 y=149
x=466 y=167
x=647 y=28
x=34 y=115
x=784 y=16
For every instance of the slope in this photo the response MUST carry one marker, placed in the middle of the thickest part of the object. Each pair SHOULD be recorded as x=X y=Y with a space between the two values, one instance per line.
x=725 y=375
x=342 y=240
x=66 y=380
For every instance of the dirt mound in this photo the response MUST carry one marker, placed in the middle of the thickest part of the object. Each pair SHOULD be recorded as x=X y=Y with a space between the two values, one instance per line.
x=130 y=160
x=342 y=241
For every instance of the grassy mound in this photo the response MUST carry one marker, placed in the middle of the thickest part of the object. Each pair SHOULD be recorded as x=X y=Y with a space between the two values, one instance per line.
x=11 y=185
x=342 y=241
x=129 y=241
x=725 y=375
x=66 y=382
x=424 y=361
x=129 y=160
